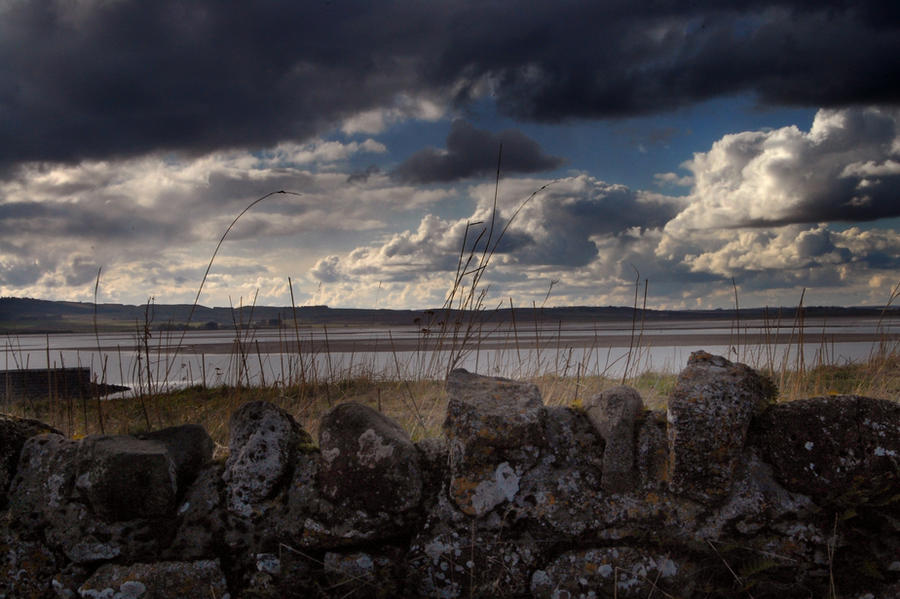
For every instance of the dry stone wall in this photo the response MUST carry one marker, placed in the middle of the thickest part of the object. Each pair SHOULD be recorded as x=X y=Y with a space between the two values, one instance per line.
x=725 y=494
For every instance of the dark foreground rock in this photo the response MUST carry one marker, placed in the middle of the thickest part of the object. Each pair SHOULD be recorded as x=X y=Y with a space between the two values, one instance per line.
x=724 y=495
x=13 y=434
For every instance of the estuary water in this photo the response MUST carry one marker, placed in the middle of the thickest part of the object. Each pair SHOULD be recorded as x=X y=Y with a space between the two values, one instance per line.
x=281 y=356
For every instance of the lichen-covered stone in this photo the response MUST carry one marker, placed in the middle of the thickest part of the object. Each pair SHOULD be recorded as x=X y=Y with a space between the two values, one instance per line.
x=562 y=492
x=368 y=460
x=202 y=518
x=613 y=572
x=77 y=494
x=124 y=478
x=307 y=519
x=27 y=565
x=434 y=459
x=756 y=502
x=614 y=412
x=364 y=574
x=451 y=563
x=264 y=440
x=189 y=446
x=13 y=434
x=44 y=478
x=709 y=412
x=162 y=580
x=652 y=453
x=828 y=446
x=495 y=429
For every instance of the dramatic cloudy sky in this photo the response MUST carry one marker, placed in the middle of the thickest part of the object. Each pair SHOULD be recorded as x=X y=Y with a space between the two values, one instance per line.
x=694 y=143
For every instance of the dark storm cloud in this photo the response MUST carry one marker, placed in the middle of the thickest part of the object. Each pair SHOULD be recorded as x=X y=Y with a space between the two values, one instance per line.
x=87 y=222
x=103 y=79
x=363 y=176
x=473 y=152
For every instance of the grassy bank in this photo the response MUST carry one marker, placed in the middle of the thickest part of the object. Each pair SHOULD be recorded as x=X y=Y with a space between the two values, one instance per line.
x=418 y=405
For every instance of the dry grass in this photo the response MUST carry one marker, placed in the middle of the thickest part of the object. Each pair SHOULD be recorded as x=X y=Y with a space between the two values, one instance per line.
x=414 y=393
x=211 y=407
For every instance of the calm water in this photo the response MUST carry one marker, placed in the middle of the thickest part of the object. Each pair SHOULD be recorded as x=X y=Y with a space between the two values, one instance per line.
x=219 y=357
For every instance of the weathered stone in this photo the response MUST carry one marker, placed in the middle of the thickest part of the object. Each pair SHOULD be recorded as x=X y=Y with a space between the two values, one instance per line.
x=309 y=520
x=709 y=412
x=13 y=434
x=562 y=492
x=572 y=440
x=613 y=412
x=613 y=572
x=365 y=574
x=264 y=440
x=828 y=446
x=189 y=446
x=202 y=518
x=26 y=565
x=44 y=479
x=434 y=459
x=161 y=579
x=495 y=428
x=368 y=460
x=652 y=451
x=68 y=490
x=756 y=502
x=124 y=478
x=450 y=564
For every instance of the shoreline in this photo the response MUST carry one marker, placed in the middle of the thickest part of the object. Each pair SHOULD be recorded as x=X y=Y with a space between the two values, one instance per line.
x=373 y=345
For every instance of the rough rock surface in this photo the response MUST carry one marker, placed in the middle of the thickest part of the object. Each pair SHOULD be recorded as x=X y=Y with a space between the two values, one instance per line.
x=264 y=440
x=124 y=478
x=13 y=434
x=614 y=412
x=827 y=446
x=367 y=460
x=26 y=565
x=709 y=413
x=495 y=429
x=613 y=572
x=160 y=579
x=455 y=563
x=98 y=498
x=652 y=452
x=189 y=446
x=563 y=491
x=538 y=520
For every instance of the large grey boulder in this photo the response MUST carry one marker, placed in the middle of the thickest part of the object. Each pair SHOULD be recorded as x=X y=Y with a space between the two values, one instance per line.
x=264 y=440
x=44 y=479
x=562 y=494
x=124 y=478
x=161 y=579
x=98 y=498
x=189 y=446
x=709 y=413
x=613 y=413
x=828 y=446
x=13 y=434
x=495 y=428
x=309 y=519
x=368 y=460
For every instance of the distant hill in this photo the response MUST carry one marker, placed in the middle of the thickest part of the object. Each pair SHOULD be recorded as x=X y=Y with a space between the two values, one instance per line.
x=26 y=315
